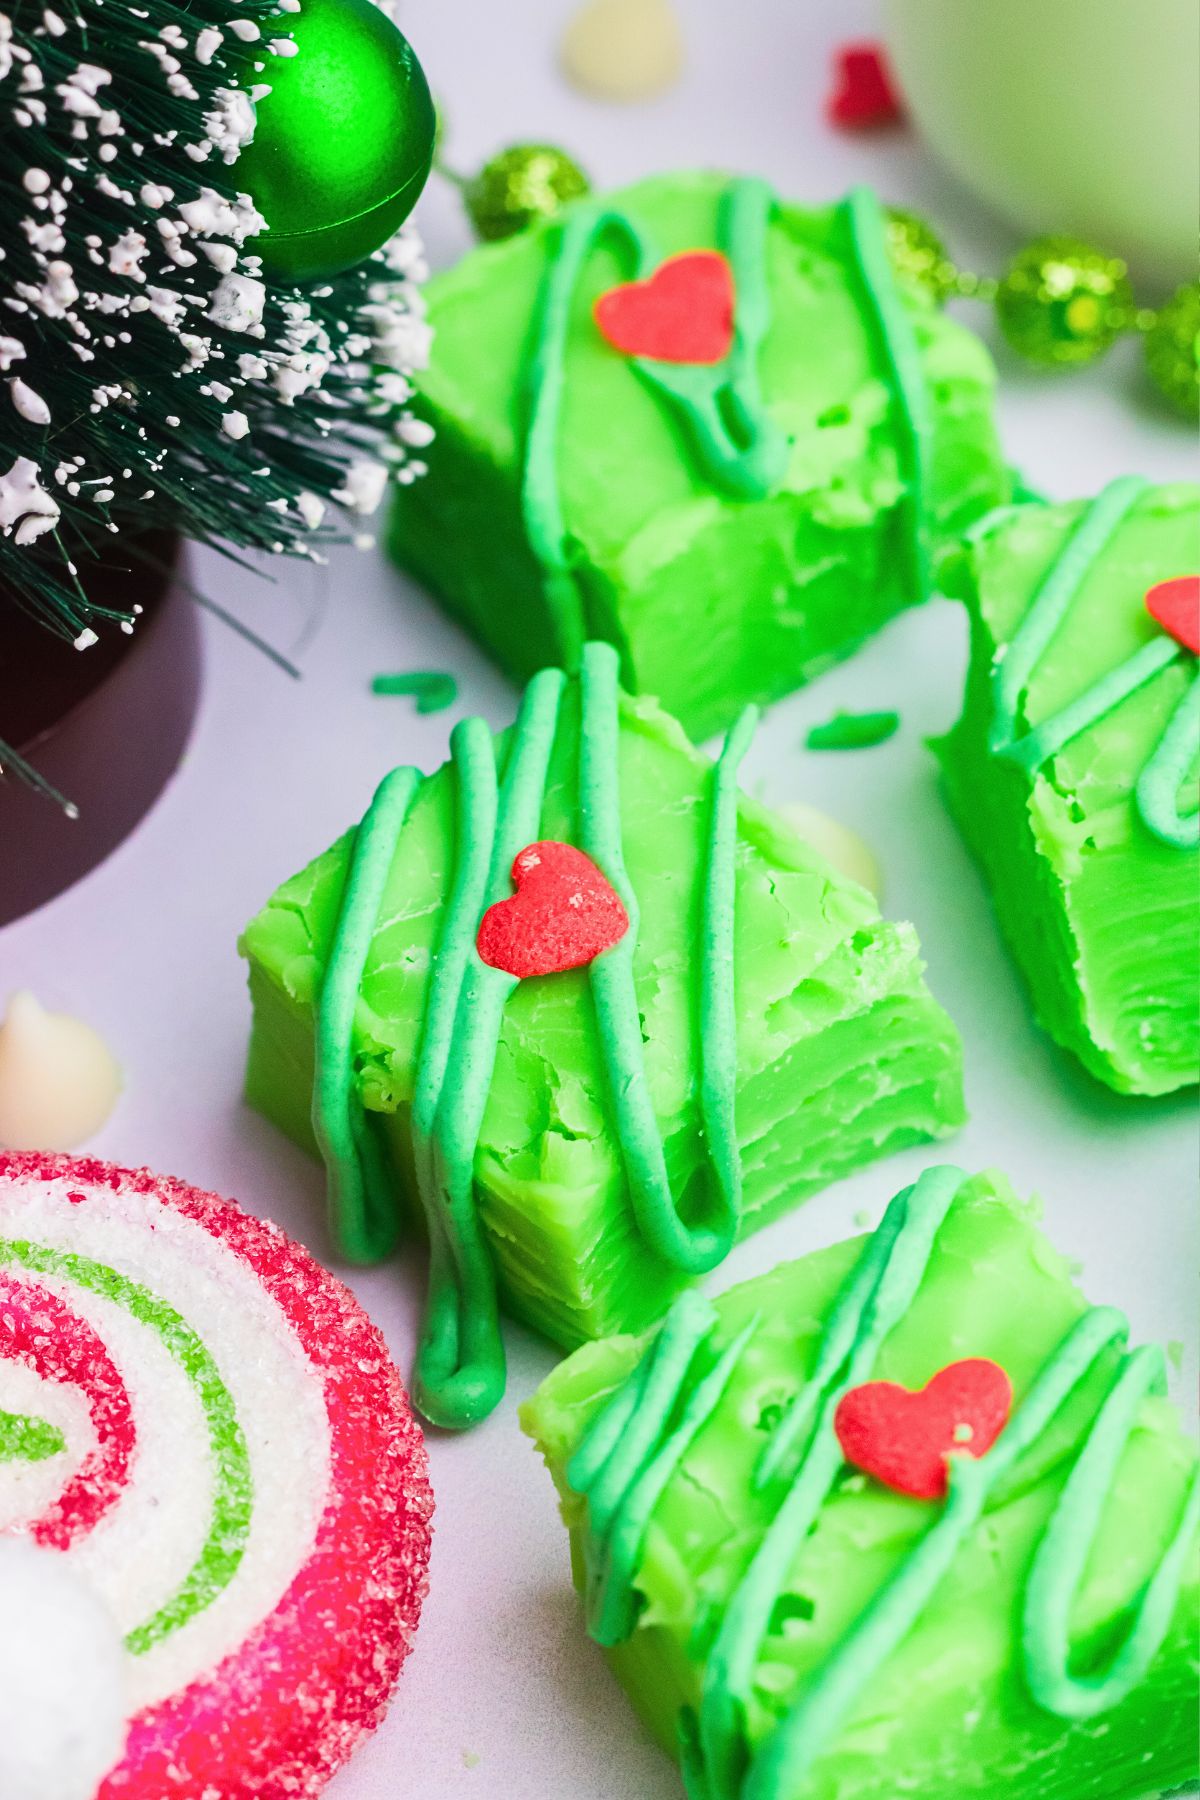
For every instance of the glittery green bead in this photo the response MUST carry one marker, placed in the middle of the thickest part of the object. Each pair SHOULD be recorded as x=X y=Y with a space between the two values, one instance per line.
x=1173 y=350
x=523 y=184
x=1060 y=301
x=918 y=255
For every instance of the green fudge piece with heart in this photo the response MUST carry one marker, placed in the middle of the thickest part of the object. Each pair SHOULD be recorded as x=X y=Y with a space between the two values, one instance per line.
x=1072 y=771
x=732 y=526
x=793 y=1629
x=597 y=1136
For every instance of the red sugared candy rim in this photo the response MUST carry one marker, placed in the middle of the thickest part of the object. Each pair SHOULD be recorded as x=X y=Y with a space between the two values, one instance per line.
x=282 y=1712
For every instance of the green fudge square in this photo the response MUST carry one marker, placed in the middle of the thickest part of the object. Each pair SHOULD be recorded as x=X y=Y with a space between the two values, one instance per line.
x=886 y=442
x=794 y=1629
x=1095 y=880
x=841 y=1053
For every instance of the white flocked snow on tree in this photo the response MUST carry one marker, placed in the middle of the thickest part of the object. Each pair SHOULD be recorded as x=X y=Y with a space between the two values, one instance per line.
x=159 y=368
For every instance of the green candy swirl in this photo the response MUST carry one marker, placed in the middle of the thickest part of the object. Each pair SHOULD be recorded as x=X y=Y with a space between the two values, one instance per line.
x=232 y=1505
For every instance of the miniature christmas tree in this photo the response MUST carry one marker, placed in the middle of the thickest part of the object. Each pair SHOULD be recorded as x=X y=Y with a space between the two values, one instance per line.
x=158 y=368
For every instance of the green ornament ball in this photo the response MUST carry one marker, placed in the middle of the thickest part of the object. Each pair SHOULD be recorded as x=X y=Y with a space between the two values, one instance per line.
x=1173 y=350
x=523 y=184
x=1062 y=302
x=918 y=255
x=343 y=142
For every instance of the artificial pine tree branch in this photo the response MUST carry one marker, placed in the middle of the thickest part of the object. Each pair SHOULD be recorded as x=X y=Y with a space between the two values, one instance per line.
x=150 y=375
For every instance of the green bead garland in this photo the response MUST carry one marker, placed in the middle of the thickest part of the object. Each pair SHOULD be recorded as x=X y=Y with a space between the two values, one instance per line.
x=523 y=184
x=1173 y=350
x=919 y=256
x=1061 y=302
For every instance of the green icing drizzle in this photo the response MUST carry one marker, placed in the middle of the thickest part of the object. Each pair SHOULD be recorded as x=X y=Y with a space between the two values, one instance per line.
x=1059 y=1564
x=637 y=1442
x=362 y=1219
x=460 y=1370
x=545 y=379
x=1169 y=765
x=1156 y=791
x=23 y=1439
x=734 y=438
x=898 y=341
x=699 y=1245
x=624 y=1469
x=720 y=409
x=233 y=1485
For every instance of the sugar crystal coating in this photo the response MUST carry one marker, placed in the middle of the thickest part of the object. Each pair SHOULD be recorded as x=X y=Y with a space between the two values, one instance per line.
x=242 y=1482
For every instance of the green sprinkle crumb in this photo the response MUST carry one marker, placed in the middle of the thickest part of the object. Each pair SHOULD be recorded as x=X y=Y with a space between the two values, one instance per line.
x=854 y=731
x=432 y=689
x=471 y=1759
x=1175 y=1355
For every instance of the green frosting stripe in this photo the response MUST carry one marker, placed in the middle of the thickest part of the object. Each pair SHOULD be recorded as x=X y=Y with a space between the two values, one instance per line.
x=233 y=1485
x=541 y=500
x=1061 y=1558
x=1035 y=747
x=1090 y=538
x=1169 y=765
x=456 y=1278
x=719 y=1763
x=719 y=409
x=899 y=344
x=1156 y=791
x=733 y=436
x=873 y=1304
x=363 y=1218
x=655 y=1389
x=698 y=1245
x=611 y=1599
x=460 y=1370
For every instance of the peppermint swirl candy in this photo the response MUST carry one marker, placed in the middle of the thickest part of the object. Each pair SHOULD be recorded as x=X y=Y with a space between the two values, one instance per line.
x=207 y=1426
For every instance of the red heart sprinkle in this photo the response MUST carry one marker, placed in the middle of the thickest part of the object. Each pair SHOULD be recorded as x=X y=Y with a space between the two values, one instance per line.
x=1176 y=606
x=562 y=915
x=864 y=95
x=903 y=1438
x=682 y=314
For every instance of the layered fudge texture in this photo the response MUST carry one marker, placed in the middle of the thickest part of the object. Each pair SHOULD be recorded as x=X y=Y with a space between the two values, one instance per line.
x=732 y=526
x=1072 y=772
x=599 y=1135
x=793 y=1627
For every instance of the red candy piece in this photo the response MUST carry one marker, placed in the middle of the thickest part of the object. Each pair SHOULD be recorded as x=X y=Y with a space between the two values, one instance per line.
x=562 y=915
x=682 y=314
x=1176 y=606
x=903 y=1439
x=863 y=95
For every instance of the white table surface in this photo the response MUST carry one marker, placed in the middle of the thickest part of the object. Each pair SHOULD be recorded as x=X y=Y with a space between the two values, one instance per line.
x=503 y=1697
